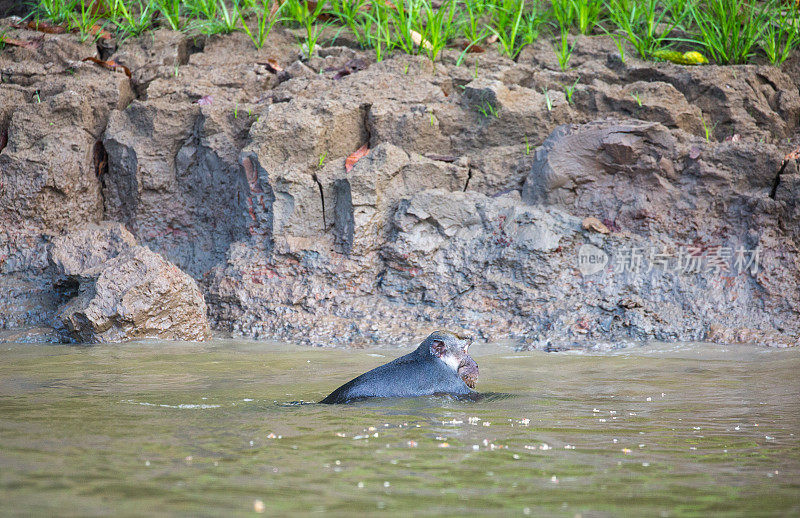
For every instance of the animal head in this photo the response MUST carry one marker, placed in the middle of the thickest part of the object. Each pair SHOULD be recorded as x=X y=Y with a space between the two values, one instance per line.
x=453 y=350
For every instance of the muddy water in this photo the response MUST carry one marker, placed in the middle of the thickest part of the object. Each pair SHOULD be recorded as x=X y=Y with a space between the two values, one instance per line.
x=210 y=430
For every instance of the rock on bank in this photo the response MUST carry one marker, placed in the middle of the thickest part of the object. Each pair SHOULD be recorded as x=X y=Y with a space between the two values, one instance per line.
x=124 y=291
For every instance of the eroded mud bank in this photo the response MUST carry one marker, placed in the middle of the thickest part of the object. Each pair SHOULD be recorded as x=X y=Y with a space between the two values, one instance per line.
x=468 y=212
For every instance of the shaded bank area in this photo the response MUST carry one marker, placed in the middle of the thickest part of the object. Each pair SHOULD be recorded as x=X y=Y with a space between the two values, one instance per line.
x=645 y=201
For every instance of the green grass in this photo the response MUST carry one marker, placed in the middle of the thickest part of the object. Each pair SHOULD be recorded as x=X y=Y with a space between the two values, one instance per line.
x=505 y=25
x=581 y=14
x=564 y=50
x=265 y=20
x=307 y=16
x=170 y=10
x=488 y=110
x=569 y=90
x=647 y=24
x=214 y=16
x=547 y=100
x=728 y=31
x=781 y=35
x=57 y=11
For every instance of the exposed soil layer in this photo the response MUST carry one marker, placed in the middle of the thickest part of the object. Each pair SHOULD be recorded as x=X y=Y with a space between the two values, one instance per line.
x=482 y=183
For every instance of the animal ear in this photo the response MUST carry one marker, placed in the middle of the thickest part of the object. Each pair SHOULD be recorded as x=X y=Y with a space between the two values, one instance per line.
x=438 y=348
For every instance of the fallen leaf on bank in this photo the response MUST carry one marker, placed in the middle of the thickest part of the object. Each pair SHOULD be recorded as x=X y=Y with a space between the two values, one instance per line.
x=99 y=32
x=419 y=41
x=470 y=48
x=595 y=225
x=272 y=65
x=41 y=26
x=206 y=100
x=26 y=44
x=350 y=161
x=110 y=65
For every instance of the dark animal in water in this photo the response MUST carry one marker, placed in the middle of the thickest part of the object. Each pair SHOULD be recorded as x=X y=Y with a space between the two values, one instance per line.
x=440 y=365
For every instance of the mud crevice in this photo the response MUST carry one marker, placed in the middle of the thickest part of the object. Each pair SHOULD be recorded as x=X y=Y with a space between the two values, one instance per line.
x=105 y=48
x=100 y=163
x=322 y=200
x=366 y=110
x=469 y=177
x=195 y=45
x=100 y=160
x=777 y=180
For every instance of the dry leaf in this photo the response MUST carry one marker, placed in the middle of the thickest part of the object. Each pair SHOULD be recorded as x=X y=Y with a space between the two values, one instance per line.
x=42 y=26
x=470 y=48
x=272 y=65
x=418 y=41
x=99 y=32
x=26 y=44
x=794 y=155
x=110 y=65
x=350 y=161
x=595 y=225
x=492 y=39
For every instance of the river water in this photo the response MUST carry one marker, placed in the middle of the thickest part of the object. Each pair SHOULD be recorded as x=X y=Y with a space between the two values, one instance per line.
x=216 y=429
